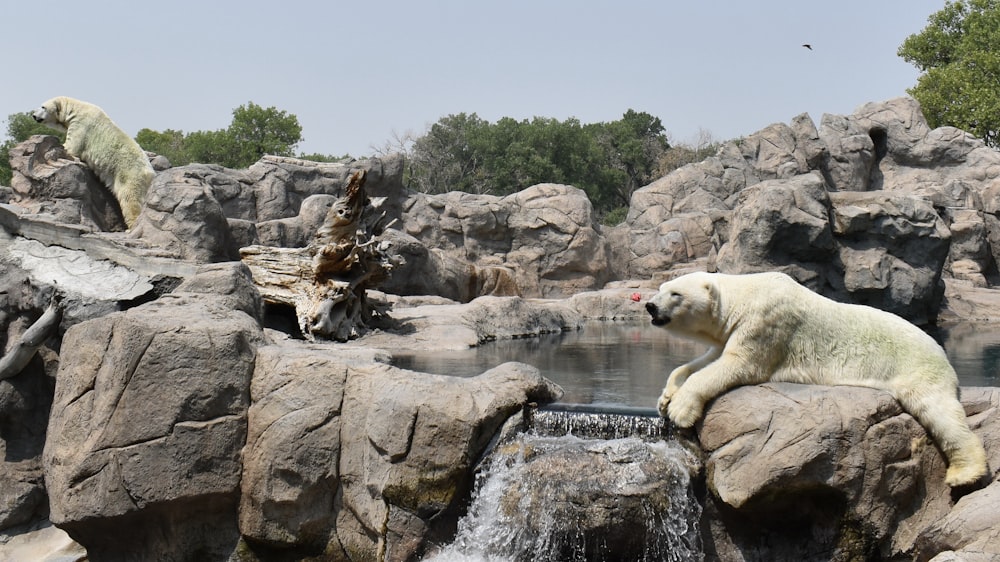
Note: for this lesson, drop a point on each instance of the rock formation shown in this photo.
(546, 235)
(48, 180)
(799, 472)
(786, 198)
(149, 419)
(170, 414)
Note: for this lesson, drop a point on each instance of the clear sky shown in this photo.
(356, 73)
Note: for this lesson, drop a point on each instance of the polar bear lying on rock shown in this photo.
(766, 327)
(93, 137)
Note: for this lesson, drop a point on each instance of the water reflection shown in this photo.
(627, 363)
(974, 351)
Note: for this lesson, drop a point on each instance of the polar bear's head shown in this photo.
(686, 305)
(51, 114)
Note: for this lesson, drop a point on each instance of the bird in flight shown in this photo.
(808, 46)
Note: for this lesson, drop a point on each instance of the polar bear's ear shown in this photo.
(711, 289)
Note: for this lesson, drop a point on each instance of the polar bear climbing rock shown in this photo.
(766, 327)
(94, 138)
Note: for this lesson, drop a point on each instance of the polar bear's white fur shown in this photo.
(766, 327)
(94, 138)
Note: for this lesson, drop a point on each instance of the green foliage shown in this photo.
(609, 161)
(210, 147)
(317, 157)
(253, 132)
(256, 131)
(959, 55)
(632, 147)
(615, 216)
(21, 126)
(169, 143)
(447, 157)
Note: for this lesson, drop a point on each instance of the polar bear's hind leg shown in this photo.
(130, 191)
(942, 415)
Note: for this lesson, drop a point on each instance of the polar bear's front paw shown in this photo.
(683, 412)
(663, 403)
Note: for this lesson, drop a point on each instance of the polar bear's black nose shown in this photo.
(659, 319)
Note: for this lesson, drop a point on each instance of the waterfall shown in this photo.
(598, 421)
(561, 491)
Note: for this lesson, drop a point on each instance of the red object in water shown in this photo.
(636, 297)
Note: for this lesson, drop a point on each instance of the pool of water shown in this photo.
(627, 363)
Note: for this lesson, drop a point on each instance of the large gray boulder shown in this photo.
(969, 532)
(407, 472)
(547, 234)
(433, 271)
(279, 185)
(148, 421)
(782, 225)
(892, 249)
(881, 249)
(181, 215)
(809, 472)
(46, 179)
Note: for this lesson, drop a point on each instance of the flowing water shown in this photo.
(539, 496)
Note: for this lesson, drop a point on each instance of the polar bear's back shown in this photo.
(830, 342)
(104, 146)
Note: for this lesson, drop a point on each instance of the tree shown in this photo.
(632, 146)
(447, 157)
(256, 131)
(253, 132)
(959, 55)
(21, 126)
(169, 143)
(211, 147)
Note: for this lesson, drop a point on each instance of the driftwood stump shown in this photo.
(24, 347)
(326, 282)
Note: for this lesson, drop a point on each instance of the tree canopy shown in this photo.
(959, 55)
(253, 132)
(463, 152)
